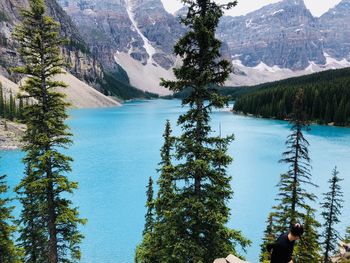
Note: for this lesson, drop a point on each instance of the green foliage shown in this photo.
(308, 249)
(122, 89)
(3, 16)
(3, 39)
(156, 245)
(45, 183)
(10, 108)
(32, 232)
(73, 44)
(269, 237)
(332, 204)
(150, 208)
(200, 186)
(347, 236)
(293, 198)
(327, 98)
(9, 253)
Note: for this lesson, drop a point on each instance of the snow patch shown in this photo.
(332, 61)
(278, 11)
(146, 44)
(248, 23)
(263, 67)
(144, 77)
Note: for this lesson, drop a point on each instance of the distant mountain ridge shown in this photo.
(132, 41)
(277, 41)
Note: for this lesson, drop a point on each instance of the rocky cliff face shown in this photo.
(277, 41)
(284, 34)
(140, 28)
(335, 29)
(81, 63)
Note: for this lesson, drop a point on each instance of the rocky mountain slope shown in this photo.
(137, 34)
(277, 41)
(133, 40)
(82, 64)
(283, 34)
(335, 30)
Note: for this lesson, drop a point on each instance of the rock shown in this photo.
(10, 134)
(284, 34)
(336, 41)
(230, 259)
(81, 63)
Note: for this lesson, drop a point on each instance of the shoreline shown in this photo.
(240, 113)
(10, 135)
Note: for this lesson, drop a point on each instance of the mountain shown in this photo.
(82, 64)
(283, 34)
(118, 43)
(284, 40)
(326, 99)
(137, 35)
(335, 29)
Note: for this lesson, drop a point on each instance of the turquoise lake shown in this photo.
(116, 149)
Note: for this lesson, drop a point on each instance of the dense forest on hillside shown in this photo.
(327, 98)
(10, 108)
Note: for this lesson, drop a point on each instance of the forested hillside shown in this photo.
(327, 98)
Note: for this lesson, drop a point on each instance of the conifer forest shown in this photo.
(188, 197)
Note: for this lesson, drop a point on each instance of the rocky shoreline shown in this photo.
(10, 135)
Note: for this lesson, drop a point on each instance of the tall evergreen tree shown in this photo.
(293, 197)
(145, 252)
(332, 204)
(149, 225)
(32, 232)
(46, 135)
(202, 186)
(9, 253)
(269, 238)
(12, 107)
(156, 246)
(308, 249)
(347, 235)
(2, 101)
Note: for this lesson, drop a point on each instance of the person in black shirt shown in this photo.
(282, 250)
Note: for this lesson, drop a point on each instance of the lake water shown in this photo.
(116, 149)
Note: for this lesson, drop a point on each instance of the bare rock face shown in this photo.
(335, 29)
(81, 63)
(284, 34)
(159, 27)
(141, 28)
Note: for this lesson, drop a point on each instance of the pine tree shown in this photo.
(12, 107)
(145, 252)
(46, 135)
(32, 233)
(308, 249)
(293, 197)
(269, 237)
(347, 236)
(156, 247)
(9, 253)
(149, 225)
(165, 201)
(202, 186)
(332, 204)
(2, 101)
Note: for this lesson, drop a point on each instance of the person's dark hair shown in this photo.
(297, 230)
